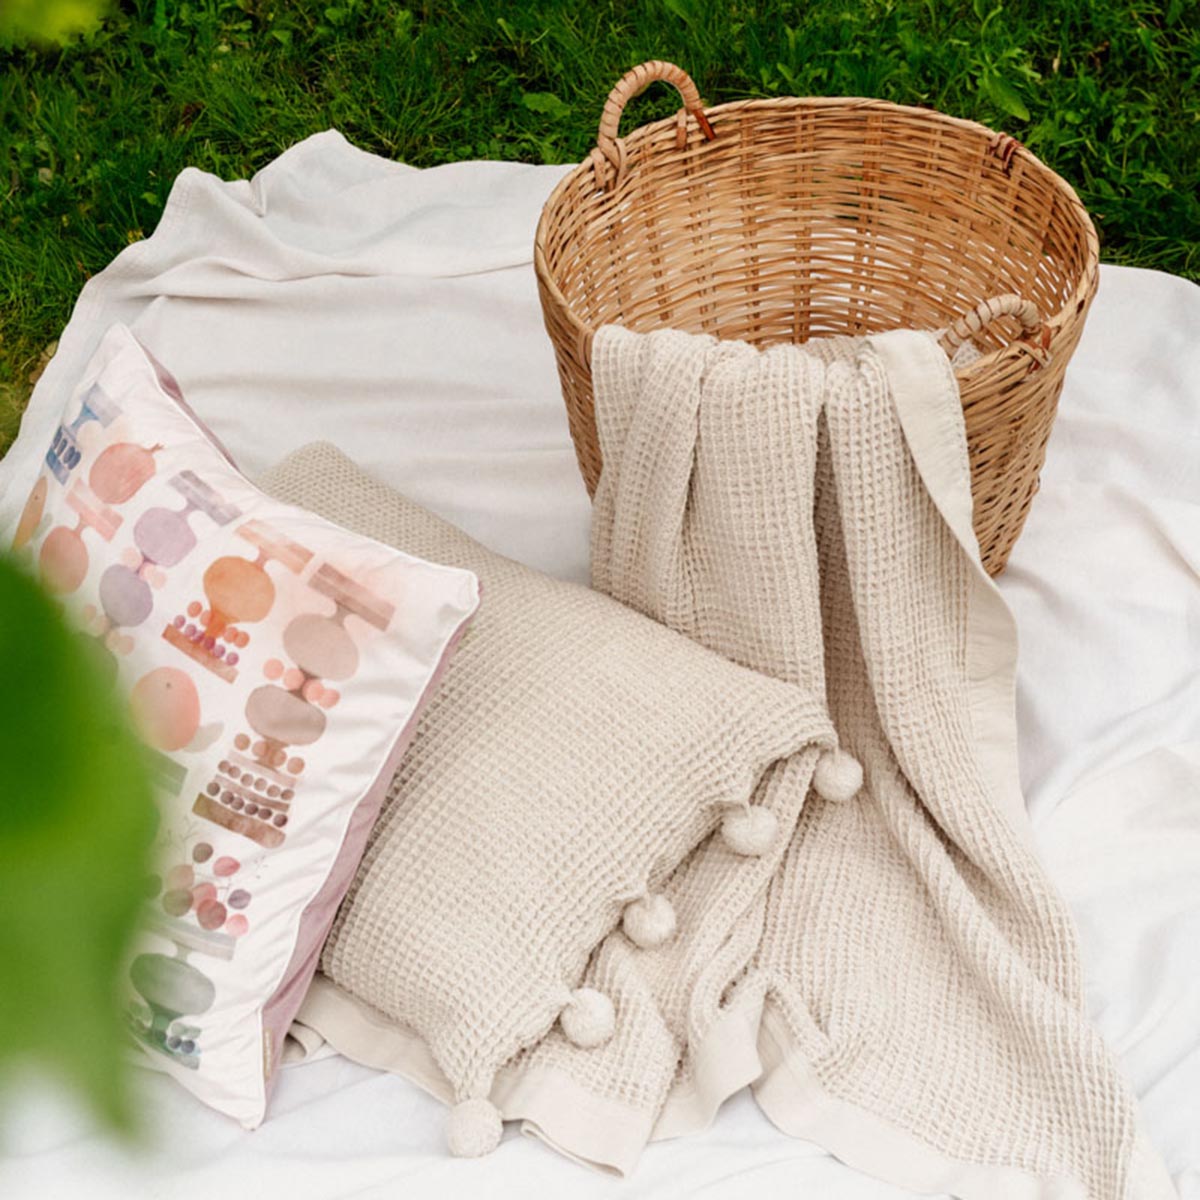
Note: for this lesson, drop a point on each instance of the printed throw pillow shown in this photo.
(274, 666)
(575, 754)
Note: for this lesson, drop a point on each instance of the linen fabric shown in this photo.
(911, 974)
(388, 309)
(274, 665)
(576, 752)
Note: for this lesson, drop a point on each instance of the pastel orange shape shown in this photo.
(166, 708)
(63, 560)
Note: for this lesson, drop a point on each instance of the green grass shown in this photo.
(1106, 91)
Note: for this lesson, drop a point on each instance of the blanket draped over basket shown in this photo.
(898, 978)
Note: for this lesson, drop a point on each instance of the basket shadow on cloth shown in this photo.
(787, 219)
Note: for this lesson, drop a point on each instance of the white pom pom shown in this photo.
(838, 777)
(649, 922)
(588, 1019)
(749, 831)
(474, 1128)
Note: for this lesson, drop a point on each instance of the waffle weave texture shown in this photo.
(694, 544)
(910, 971)
(574, 753)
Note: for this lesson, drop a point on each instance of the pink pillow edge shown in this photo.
(284, 1003)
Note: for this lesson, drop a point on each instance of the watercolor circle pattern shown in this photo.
(166, 708)
(63, 559)
(121, 471)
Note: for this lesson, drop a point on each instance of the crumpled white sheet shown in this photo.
(394, 312)
(1105, 586)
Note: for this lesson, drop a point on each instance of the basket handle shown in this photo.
(633, 83)
(1034, 334)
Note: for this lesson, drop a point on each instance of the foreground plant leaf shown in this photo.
(77, 818)
(49, 22)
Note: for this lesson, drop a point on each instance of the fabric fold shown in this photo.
(806, 512)
(644, 523)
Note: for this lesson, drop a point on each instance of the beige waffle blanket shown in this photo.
(900, 980)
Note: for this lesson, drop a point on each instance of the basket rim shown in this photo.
(1077, 302)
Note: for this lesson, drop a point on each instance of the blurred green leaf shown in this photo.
(49, 22)
(77, 818)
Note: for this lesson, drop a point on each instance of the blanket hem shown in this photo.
(792, 1097)
(589, 1129)
(936, 435)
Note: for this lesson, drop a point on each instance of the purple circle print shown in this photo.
(125, 596)
(163, 536)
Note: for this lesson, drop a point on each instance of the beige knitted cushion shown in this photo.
(573, 755)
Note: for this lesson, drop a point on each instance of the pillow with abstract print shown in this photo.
(274, 665)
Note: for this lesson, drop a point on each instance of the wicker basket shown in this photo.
(781, 220)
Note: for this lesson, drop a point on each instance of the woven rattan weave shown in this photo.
(787, 219)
